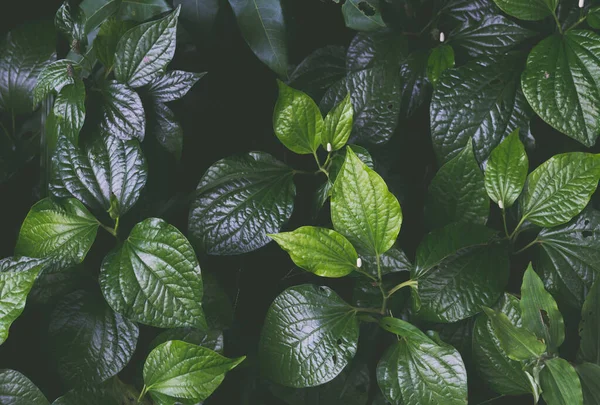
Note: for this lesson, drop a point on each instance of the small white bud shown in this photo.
(581, 3)
(500, 204)
(358, 262)
(329, 148)
(442, 37)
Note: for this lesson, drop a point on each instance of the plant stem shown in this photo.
(533, 242)
(504, 222)
(116, 229)
(364, 273)
(557, 22)
(108, 229)
(142, 394)
(379, 278)
(408, 283)
(514, 233)
(321, 168)
(491, 400)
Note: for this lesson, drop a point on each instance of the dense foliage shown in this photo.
(216, 202)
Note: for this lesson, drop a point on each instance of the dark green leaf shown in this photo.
(62, 230)
(98, 13)
(593, 17)
(368, 50)
(144, 51)
(392, 261)
(89, 341)
(263, 27)
(69, 109)
(480, 100)
(54, 77)
(107, 39)
(163, 125)
(239, 200)
(404, 330)
(16, 389)
(202, 13)
(589, 327)
(111, 392)
(470, 10)
(338, 125)
(310, 335)
(173, 85)
(528, 10)
(362, 15)
(440, 59)
(560, 83)
(319, 70)
(560, 188)
(154, 277)
(589, 376)
(457, 192)
(560, 383)
(142, 10)
(217, 306)
(123, 113)
(71, 22)
(211, 339)
(415, 87)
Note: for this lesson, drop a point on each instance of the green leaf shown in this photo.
(89, 341)
(363, 209)
(560, 383)
(211, 339)
(105, 168)
(338, 125)
(459, 268)
(560, 82)
(362, 15)
(62, 230)
(440, 59)
(183, 370)
(24, 53)
(569, 257)
(404, 330)
(491, 35)
(98, 13)
(17, 275)
(421, 372)
(321, 251)
(163, 125)
(71, 22)
(540, 312)
(589, 376)
(263, 27)
(506, 171)
(310, 335)
(240, 200)
(144, 51)
(320, 70)
(457, 192)
(560, 188)
(589, 327)
(593, 17)
(415, 87)
(532, 10)
(19, 390)
(154, 277)
(297, 121)
(504, 376)
(481, 100)
(202, 13)
(105, 44)
(217, 306)
(122, 112)
(172, 85)
(392, 261)
(54, 77)
(517, 342)
(142, 10)
(69, 109)
(111, 392)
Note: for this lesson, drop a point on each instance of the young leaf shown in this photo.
(362, 15)
(560, 383)
(506, 171)
(69, 109)
(589, 376)
(90, 342)
(19, 390)
(263, 27)
(321, 251)
(589, 327)
(123, 113)
(540, 312)
(240, 200)
(62, 230)
(504, 376)
(440, 59)
(172, 85)
(363, 209)
(456, 193)
(560, 188)
(517, 342)
(185, 371)
(297, 121)
(154, 277)
(105, 44)
(144, 51)
(310, 335)
(54, 77)
(528, 10)
(559, 82)
(338, 125)
(17, 275)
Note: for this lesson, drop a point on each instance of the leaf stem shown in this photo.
(560, 30)
(504, 222)
(533, 242)
(380, 282)
(408, 283)
(321, 168)
(581, 19)
(142, 394)
(112, 231)
(364, 273)
(514, 233)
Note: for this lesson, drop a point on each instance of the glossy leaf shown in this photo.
(415, 87)
(338, 125)
(154, 277)
(363, 209)
(404, 330)
(239, 200)
(539, 311)
(183, 370)
(589, 376)
(89, 341)
(263, 27)
(111, 392)
(172, 85)
(62, 230)
(517, 342)
(105, 44)
(319, 70)
(528, 10)
(122, 112)
(457, 193)
(440, 59)
(362, 15)
(310, 335)
(560, 83)
(69, 109)
(163, 125)
(481, 100)
(589, 327)
(560, 383)
(560, 188)
(71, 22)
(211, 339)
(506, 171)
(142, 10)
(321, 251)
(17, 275)
(16, 389)
(144, 51)
(54, 77)
(105, 168)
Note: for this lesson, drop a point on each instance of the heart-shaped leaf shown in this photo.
(123, 113)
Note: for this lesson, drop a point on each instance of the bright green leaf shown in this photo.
(560, 383)
(531, 10)
(338, 125)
